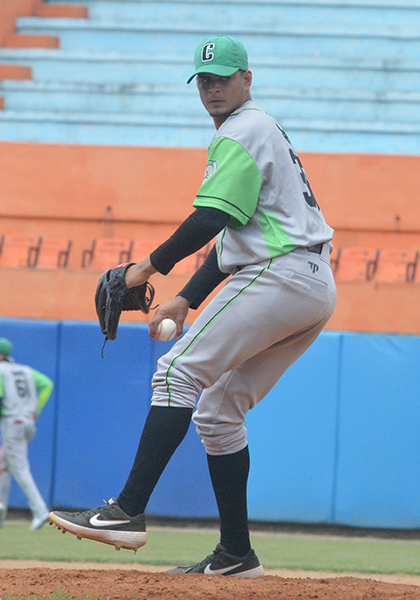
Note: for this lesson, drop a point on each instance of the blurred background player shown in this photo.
(23, 394)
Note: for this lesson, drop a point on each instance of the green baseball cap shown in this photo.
(6, 347)
(220, 55)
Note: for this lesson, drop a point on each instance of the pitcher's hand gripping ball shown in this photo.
(167, 330)
(112, 297)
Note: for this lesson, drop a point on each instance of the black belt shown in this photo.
(317, 249)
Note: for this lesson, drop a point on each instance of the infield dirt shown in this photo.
(117, 582)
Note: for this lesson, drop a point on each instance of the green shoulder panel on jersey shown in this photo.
(2, 409)
(275, 236)
(232, 183)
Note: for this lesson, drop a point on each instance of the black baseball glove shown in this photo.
(112, 297)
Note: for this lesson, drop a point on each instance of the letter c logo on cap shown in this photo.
(206, 54)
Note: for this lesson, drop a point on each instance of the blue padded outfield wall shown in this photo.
(336, 441)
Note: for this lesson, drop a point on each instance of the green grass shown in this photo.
(168, 546)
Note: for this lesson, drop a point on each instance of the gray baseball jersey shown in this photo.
(264, 188)
(24, 390)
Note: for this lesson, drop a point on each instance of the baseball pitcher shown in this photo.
(272, 252)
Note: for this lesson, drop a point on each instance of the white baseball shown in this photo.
(167, 330)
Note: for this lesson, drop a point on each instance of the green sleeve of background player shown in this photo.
(44, 387)
(1, 394)
(232, 183)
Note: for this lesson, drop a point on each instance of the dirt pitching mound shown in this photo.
(133, 584)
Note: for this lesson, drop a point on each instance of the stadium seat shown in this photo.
(190, 264)
(143, 248)
(396, 266)
(356, 264)
(187, 266)
(40, 252)
(52, 253)
(106, 253)
(334, 258)
(19, 251)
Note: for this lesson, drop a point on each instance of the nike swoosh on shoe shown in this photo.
(209, 571)
(99, 523)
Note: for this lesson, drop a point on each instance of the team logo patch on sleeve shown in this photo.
(210, 169)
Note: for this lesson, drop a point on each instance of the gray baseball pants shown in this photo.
(243, 341)
(16, 435)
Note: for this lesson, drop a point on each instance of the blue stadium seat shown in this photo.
(339, 78)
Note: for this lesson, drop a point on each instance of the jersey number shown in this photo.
(21, 384)
(308, 194)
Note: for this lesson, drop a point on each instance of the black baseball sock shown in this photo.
(229, 476)
(163, 431)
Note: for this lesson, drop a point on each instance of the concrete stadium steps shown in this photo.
(14, 71)
(192, 131)
(29, 40)
(377, 76)
(151, 36)
(339, 75)
(394, 13)
(289, 103)
(62, 10)
(100, 67)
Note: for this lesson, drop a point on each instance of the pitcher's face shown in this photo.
(221, 96)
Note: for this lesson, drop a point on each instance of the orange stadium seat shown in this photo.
(334, 258)
(414, 273)
(53, 253)
(22, 251)
(143, 248)
(18, 251)
(356, 264)
(187, 266)
(106, 253)
(190, 264)
(396, 266)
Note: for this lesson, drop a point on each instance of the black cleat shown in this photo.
(221, 562)
(108, 524)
